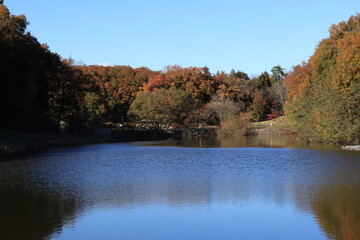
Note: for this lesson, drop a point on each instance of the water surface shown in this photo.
(244, 188)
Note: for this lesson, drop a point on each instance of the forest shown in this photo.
(324, 92)
(40, 91)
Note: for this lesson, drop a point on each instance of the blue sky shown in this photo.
(251, 36)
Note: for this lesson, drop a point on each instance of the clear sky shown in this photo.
(251, 36)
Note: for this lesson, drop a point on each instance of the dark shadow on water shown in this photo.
(48, 194)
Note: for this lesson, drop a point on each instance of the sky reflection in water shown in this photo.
(124, 191)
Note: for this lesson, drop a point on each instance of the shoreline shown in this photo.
(9, 149)
(14, 143)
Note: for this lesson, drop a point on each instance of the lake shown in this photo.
(263, 187)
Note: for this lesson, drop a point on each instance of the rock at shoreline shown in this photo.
(352, 148)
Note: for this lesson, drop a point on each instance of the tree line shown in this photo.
(324, 92)
(41, 91)
(37, 87)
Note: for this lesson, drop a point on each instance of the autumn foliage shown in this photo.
(35, 83)
(127, 93)
(324, 92)
(40, 90)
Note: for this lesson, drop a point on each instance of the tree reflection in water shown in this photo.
(337, 209)
(45, 194)
(25, 216)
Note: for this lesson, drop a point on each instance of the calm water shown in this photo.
(244, 188)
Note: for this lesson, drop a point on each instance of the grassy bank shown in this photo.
(271, 127)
